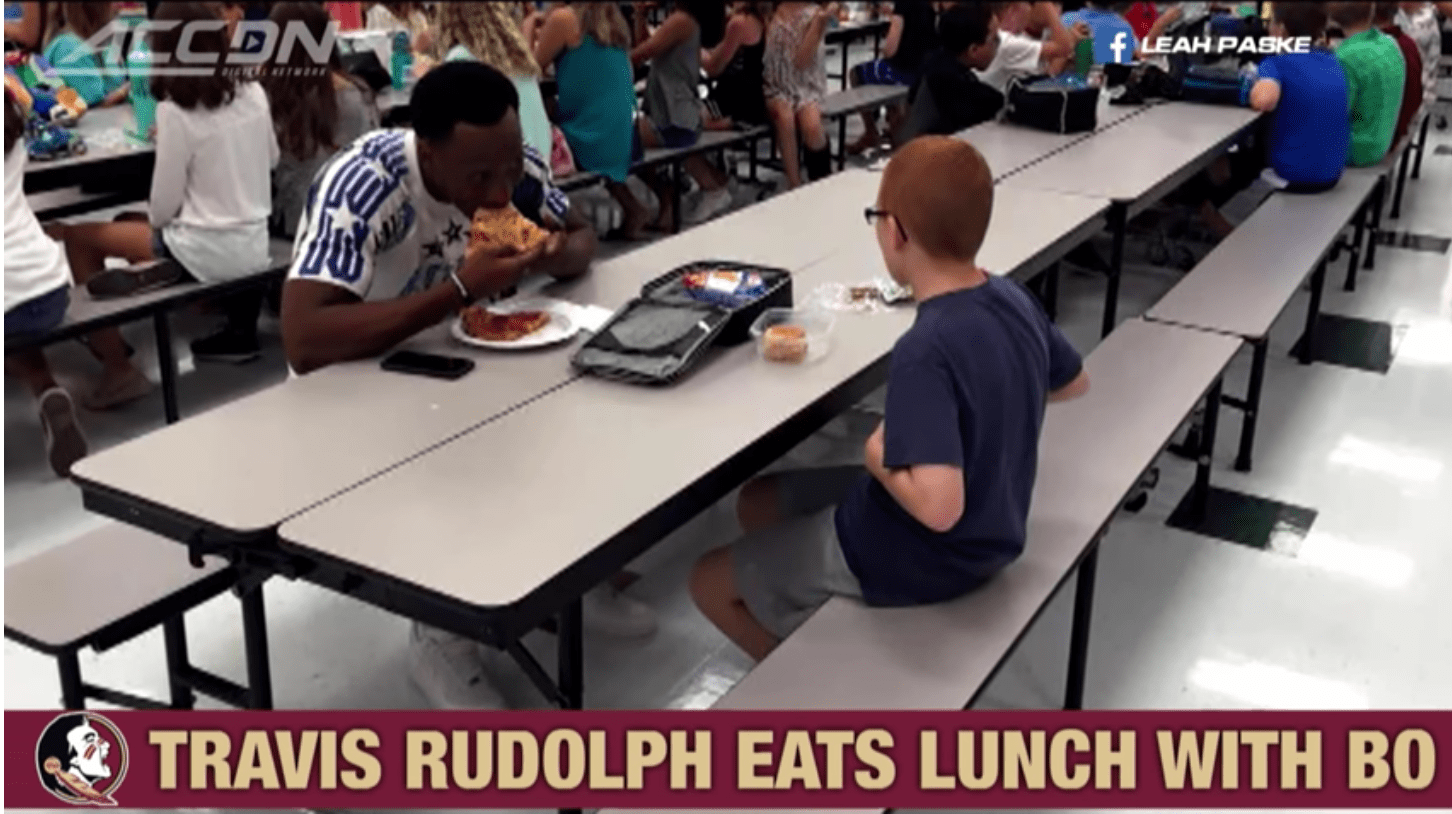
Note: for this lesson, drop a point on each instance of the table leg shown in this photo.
(1396, 207)
(676, 198)
(1118, 214)
(1252, 404)
(1378, 198)
(842, 143)
(73, 694)
(572, 655)
(1313, 313)
(846, 46)
(1354, 262)
(1206, 459)
(166, 360)
(1079, 638)
(174, 633)
(1421, 145)
(254, 634)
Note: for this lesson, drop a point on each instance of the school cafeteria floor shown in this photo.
(1353, 618)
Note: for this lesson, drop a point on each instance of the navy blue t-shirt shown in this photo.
(1311, 133)
(967, 387)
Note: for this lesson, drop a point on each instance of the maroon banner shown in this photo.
(717, 759)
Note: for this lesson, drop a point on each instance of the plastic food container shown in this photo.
(792, 336)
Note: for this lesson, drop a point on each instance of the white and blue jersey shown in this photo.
(371, 227)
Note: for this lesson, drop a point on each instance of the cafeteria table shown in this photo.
(111, 152)
(1136, 163)
(510, 524)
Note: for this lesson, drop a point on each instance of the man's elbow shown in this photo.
(942, 514)
(1074, 389)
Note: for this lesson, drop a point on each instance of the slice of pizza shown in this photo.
(505, 226)
(481, 323)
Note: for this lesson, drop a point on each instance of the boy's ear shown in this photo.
(896, 234)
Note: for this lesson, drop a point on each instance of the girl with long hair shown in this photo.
(489, 33)
(589, 46)
(737, 62)
(84, 69)
(796, 82)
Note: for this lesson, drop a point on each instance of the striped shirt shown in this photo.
(371, 227)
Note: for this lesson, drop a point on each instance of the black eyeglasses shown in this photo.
(872, 214)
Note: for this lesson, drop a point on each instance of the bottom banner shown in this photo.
(720, 759)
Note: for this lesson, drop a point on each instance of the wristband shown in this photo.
(459, 284)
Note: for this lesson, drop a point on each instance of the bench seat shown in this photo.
(1244, 284)
(108, 587)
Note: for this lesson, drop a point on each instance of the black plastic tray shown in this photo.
(738, 327)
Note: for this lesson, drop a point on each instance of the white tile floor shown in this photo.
(1355, 619)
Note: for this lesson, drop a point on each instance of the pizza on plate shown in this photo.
(505, 227)
(481, 323)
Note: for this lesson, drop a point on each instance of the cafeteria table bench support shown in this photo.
(1378, 200)
(567, 689)
(1118, 214)
(254, 635)
(1421, 144)
(1359, 235)
(166, 361)
(1313, 313)
(1250, 405)
(1205, 458)
(1079, 637)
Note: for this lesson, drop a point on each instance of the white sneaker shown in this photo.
(449, 672)
(612, 613)
(712, 204)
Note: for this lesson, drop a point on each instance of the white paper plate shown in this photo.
(560, 328)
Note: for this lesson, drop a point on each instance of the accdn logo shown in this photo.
(253, 43)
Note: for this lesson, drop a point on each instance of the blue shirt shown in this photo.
(1107, 28)
(1311, 131)
(967, 387)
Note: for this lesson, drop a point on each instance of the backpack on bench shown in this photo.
(1058, 105)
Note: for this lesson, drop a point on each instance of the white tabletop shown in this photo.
(1128, 161)
(578, 466)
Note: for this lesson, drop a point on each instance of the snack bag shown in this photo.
(729, 289)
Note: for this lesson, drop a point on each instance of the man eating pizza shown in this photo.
(384, 252)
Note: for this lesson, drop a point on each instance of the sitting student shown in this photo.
(912, 34)
(737, 63)
(673, 102)
(37, 291)
(589, 45)
(1375, 73)
(1311, 132)
(211, 192)
(1020, 55)
(404, 265)
(314, 115)
(1384, 17)
(796, 83)
(1114, 39)
(487, 32)
(944, 500)
(82, 68)
(1419, 20)
(948, 96)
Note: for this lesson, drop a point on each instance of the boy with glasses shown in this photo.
(941, 504)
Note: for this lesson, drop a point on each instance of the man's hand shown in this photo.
(490, 270)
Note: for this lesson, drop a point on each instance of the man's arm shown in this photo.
(324, 324)
(894, 36)
(931, 493)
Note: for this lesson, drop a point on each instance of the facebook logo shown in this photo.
(1120, 45)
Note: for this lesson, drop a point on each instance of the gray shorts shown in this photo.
(786, 572)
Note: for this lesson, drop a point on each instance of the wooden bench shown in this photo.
(1091, 455)
(108, 587)
(86, 314)
(1244, 284)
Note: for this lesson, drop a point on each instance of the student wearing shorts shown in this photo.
(912, 34)
(942, 502)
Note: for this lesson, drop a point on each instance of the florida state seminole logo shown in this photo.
(81, 758)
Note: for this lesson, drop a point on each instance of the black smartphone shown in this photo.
(428, 364)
